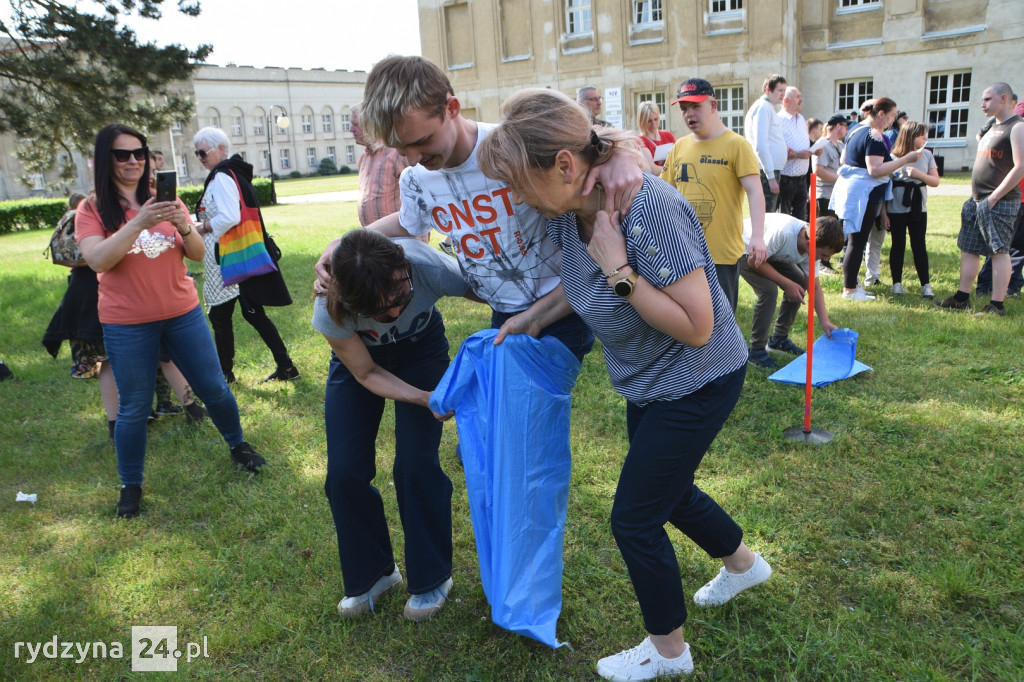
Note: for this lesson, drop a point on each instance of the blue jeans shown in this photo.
(667, 441)
(570, 330)
(133, 351)
(352, 417)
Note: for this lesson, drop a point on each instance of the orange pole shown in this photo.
(811, 272)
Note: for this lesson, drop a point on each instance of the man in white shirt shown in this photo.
(764, 132)
(793, 184)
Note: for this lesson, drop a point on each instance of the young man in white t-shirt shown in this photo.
(787, 240)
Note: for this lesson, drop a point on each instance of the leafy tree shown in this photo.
(327, 167)
(65, 73)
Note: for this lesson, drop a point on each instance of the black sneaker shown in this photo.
(128, 505)
(165, 408)
(194, 413)
(761, 358)
(283, 374)
(784, 345)
(250, 459)
(952, 304)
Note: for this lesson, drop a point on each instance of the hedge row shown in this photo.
(43, 214)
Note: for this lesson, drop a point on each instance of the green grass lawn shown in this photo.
(896, 547)
(317, 185)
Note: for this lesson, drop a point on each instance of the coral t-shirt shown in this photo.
(150, 282)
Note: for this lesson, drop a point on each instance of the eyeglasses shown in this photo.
(593, 99)
(396, 303)
(124, 155)
(201, 154)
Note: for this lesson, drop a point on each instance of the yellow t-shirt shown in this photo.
(708, 175)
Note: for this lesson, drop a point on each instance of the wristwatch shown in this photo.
(623, 288)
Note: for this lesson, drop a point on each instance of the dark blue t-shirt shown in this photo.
(862, 145)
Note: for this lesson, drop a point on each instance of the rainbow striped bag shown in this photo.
(242, 252)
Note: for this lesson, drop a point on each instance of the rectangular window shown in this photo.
(326, 124)
(236, 126)
(346, 123)
(264, 160)
(307, 123)
(350, 153)
(851, 94)
(281, 131)
(332, 155)
(177, 125)
(213, 121)
(723, 6)
(182, 166)
(311, 157)
(659, 99)
(949, 97)
(843, 4)
(730, 106)
(257, 126)
(286, 158)
(577, 17)
(646, 12)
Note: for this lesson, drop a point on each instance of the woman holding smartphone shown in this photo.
(147, 301)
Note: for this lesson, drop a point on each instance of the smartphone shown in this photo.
(166, 185)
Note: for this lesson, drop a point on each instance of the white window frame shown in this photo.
(258, 125)
(182, 165)
(264, 160)
(346, 123)
(952, 107)
(851, 6)
(213, 121)
(350, 153)
(730, 100)
(280, 131)
(177, 125)
(236, 126)
(863, 90)
(327, 123)
(311, 157)
(579, 20)
(721, 9)
(307, 123)
(284, 157)
(648, 13)
(332, 155)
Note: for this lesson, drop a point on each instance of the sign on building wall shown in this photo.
(613, 106)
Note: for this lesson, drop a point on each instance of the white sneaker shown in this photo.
(350, 607)
(643, 662)
(870, 281)
(897, 289)
(926, 291)
(858, 294)
(422, 606)
(727, 585)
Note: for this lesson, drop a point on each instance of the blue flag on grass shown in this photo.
(834, 359)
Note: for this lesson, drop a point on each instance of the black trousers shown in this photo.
(224, 333)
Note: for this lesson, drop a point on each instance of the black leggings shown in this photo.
(854, 256)
(899, 225)
(224, 334)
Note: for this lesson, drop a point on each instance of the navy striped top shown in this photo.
(664, 242)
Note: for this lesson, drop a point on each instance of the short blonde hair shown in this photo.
(538, 123)
(397, 85)
(643, 113)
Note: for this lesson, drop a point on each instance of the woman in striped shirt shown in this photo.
(646, 286)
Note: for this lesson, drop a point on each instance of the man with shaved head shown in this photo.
(987, 222)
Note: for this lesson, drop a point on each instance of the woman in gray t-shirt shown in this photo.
(908, 208)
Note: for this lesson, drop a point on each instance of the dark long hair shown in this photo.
(108, 201)
(362, 273)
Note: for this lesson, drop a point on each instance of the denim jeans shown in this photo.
(133, 350)
(352, 417)
(570, 330)
(667, 441)
(771, 201)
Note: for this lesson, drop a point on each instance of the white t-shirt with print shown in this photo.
(503, 249)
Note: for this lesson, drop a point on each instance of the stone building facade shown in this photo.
(238, 100)
(934, 57)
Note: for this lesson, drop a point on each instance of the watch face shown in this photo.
(623, 288)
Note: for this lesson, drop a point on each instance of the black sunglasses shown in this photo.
(398, 302)
(123, 155)
(201, 154)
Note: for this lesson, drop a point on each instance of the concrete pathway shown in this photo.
(322, 198)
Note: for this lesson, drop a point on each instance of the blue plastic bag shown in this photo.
(512, 405)
(834, 359)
